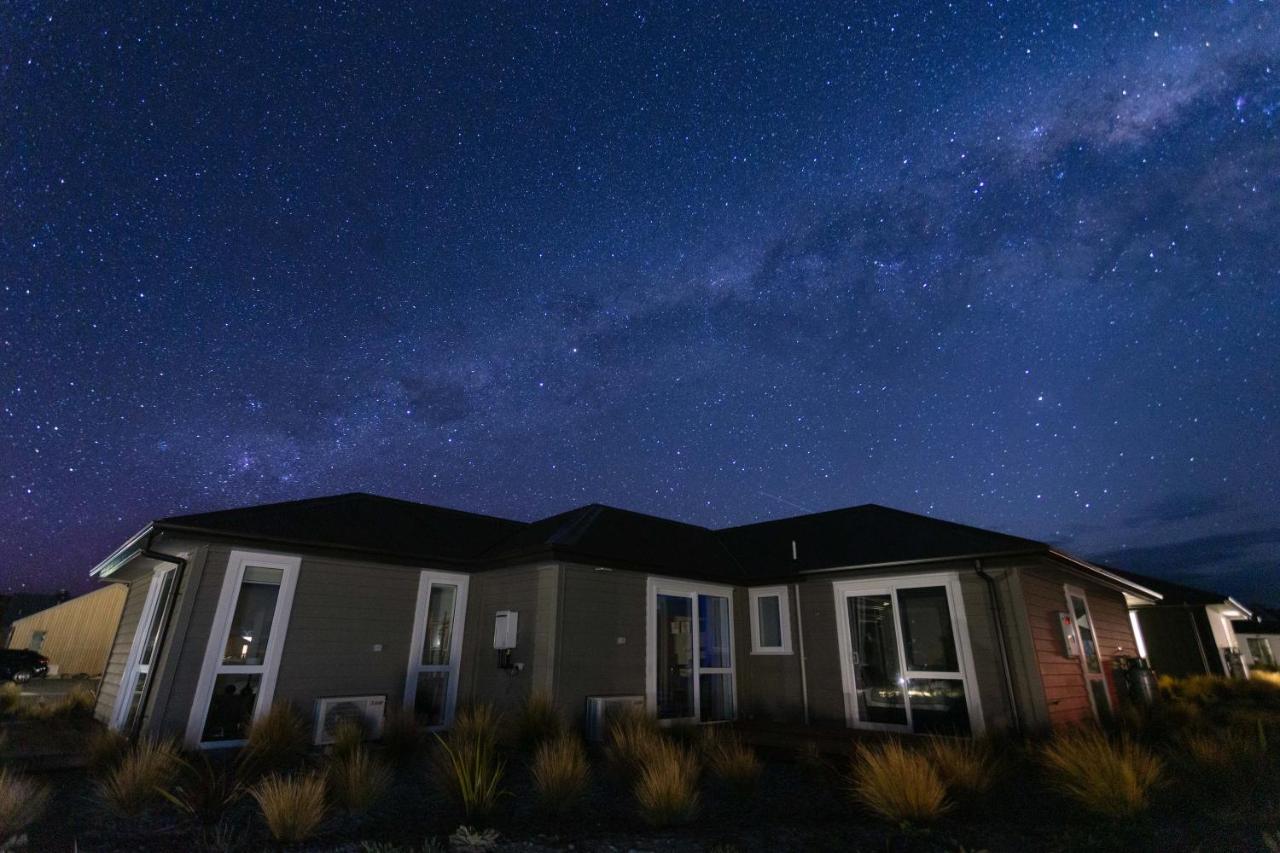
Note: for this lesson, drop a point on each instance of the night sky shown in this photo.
(1012, 264)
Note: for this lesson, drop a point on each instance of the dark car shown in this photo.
(22, 665)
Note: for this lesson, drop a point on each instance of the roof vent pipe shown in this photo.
(794, 553)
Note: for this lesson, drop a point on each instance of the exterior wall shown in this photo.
(79, 634)
(118, 656)
(770, 686)
(1179, 640)
(1271, 641)
(1044, 595)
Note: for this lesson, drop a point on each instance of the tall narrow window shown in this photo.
(133, 686)
(243, 656)
(431, 688)
(770, 621)
(690, 658)
(1090, 655)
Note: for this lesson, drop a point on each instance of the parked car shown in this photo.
(22, 665)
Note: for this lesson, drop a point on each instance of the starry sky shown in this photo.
(1012, 264)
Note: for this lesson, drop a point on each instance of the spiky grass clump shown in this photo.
(538, 721)
(632, 738)
(10, 698)
(348, 736)
(477, 724)
(357, 780)
(292, 807)
(732, 761)
(967, 765)
(898, 784)
(79, 703)
(470, 771)
(560, 773)
(666, 788)
(277, 742)
(104, 749)
(137, 780)
(204, 790)
(1267, 676)
(1113, 779)
(22, 801)
(401, 737)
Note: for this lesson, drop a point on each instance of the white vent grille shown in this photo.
(599, 708)
(331, 711)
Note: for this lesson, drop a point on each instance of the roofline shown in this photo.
(922, 561)
(132, 547)
(1246, 611)
(1112, 576)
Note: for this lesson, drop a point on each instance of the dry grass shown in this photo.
(104, 749)
(538, 721)
(357, 780)
(10, 698)
(137, 780)
(731, 761)
(348, 737)
(477, 724)
(631, 740)
(898, 784)
(1113, 779)
(666, 788)
(1265, 676)
(471, 772)
(22, 801)
(277, 742)
(560, 773)
(966, 765)
(401, 737)
(204, 791)
(292, 807)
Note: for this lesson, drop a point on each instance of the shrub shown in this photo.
(560, 773)
(104, 749)
(1267, 676)
(966, 765)
(348, 737)
(136, 782)
(401, 737)
(1110, 779)
(898, 784)
(732, 761)
(478, 724)
(10, 698)
(667, 786)
(79, 703)
(204, 791)
(357, 780)
(539, 720)
(631, 739)
(277, 742)
(468, 840)
(471, 773)
(22, 801)
(292, 807)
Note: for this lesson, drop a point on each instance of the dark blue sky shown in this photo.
(1013, 264)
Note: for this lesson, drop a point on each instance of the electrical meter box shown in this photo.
(505, 624)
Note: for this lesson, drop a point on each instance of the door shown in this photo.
(877, 671)
(690, 659)
(675, 658)
(435, 649)
(1090, 656)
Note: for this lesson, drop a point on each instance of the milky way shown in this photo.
(1010, 264)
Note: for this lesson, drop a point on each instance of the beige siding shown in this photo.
(601, 651)
(769, 686)
(531, 591)
(109, 689)
(79, 633)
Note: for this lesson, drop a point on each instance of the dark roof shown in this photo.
(358, 522)
(1174, 593)
(1256, 626)
(862, 536)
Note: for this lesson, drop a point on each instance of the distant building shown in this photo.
(75, 635)
(20, 604)
(1260, 638)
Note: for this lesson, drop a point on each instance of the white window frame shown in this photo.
(784, 619)
(426, 580)
(1069, 591)
(950, 581)
(133, 667)
(269, 669)
(656, 586)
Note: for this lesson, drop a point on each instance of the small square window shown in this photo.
(770, 621)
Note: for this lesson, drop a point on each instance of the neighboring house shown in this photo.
(14, 607)
(1259, 638)
(1190, 630)
(76, 635)
(866, 617)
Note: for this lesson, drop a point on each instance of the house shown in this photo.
(1259, 638)
(867, 617)
(1189, 631)
(14, 607)
(76, 635)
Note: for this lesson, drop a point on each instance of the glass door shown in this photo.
(431, 689)
(237, 684)
(134, 684)
(877, 672)
(675, 657)
(691, 653)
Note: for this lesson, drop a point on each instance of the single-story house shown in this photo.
(867, 617)
(1259, 638)
(76, 635)
(1189, 631)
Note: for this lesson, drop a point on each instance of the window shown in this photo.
(770, 621)
(242, 659)
(1260, 651)
(1090, 654)
(690, 653)
(137, 670)
(905, 660)
(37, 641)
(435, 649)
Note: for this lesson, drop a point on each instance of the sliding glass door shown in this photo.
(901, 658)
(691, 652)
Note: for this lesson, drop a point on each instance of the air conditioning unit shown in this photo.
(332, 710)
(600, 707)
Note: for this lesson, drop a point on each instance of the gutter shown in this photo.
(1001, 643)
(166, 617)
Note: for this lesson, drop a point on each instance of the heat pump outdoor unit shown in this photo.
(331, 711)
(600, 707)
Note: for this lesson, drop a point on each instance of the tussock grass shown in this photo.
(357, 780)
(137, 780)
(292, 807)
(277, 742)
(560, 773)
(666, 788)
(1112, 779)
(731, 761)
(10, 698)
(630, 741)
(348, 736)
(104, 749)
(479, 724)
(22, 802)
(203, 791)
(538, 721)
(898, 784)
(967, 765)
(401, 737)
(470, 771)
(1266, 676)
